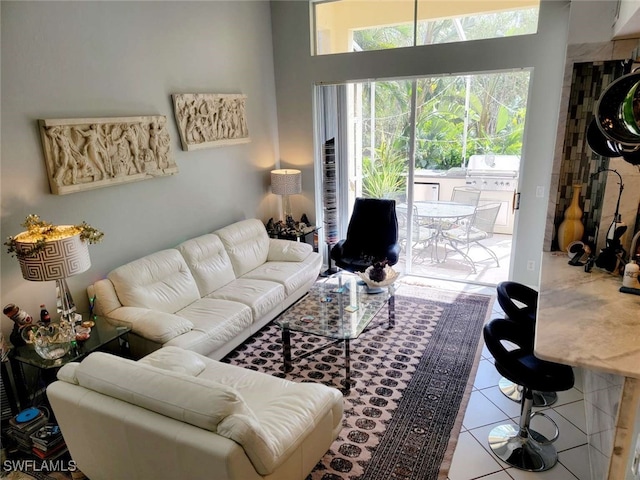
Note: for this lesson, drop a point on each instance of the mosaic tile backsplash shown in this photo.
(579, 162)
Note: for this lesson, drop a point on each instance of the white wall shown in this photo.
(591, 21)
(297, 72)
(107, 59)
(627, 24)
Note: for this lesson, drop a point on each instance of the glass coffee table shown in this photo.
(339, 309)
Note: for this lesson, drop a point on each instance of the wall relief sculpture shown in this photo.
(210, 120)
(87, 153)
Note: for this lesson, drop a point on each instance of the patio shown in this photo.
(456, 269)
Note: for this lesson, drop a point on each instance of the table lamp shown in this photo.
(47, 252)
(286, 182)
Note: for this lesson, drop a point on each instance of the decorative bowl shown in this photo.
(391, 277)
(53, 341)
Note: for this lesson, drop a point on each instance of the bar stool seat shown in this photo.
(519, 445)
(520, 304)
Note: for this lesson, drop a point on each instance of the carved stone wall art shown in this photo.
(87, 153)
(208, 120)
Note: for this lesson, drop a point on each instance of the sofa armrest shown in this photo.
(287, 250)
(104, 295)
(159, 327)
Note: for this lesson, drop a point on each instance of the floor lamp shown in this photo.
(286, 182)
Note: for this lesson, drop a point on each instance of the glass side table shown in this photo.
(102, 334)
(307, 235)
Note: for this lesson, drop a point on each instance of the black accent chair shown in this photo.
(520, 304)
(519, 445)
(372, 236)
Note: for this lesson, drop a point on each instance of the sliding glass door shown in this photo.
(411, 140)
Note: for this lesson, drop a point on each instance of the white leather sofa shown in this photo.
(176, 414)
(208, 294)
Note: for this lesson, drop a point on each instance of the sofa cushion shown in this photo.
(246, 243)
(208, 261)
(287, 251)
(287, 411)
(160, 281)
(293, 275)
(176, 360)
(216, 322)
(159, 327)
(262, 296)
(197, 401)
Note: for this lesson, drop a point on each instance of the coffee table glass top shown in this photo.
(337, 307)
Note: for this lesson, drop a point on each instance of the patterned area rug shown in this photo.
(410, 383)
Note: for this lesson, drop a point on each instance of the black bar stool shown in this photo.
(523, 311)
(519, 445)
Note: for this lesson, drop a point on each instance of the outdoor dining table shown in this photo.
(434, 209)
(439, 214)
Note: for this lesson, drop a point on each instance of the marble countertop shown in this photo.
(584, 321)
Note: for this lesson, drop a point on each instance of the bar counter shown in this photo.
(585, 321)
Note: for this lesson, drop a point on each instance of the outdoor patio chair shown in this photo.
(467, 195)
(460, 194)
(472, 232)
(422, 236)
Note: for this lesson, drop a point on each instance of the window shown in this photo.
(362, 25)
(455, 117)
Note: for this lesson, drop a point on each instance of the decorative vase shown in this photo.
(571, 229)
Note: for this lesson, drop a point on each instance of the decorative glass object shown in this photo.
(53, 341)
(390, 276)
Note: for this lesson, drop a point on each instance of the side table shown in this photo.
(102, 334)
(307, 236)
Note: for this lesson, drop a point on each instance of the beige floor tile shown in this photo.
(577, 461)
(487, 375)
(575, 413)
(481, 411)
(470, 460)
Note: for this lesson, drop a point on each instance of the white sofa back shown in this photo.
(209, 262)
(178, 395)
(160, 281)
(209, 293)
(177, 414)
(247, 244)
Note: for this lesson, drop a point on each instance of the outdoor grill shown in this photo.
(493, 172)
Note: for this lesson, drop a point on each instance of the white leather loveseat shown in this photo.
(208, 294)
(176, 414)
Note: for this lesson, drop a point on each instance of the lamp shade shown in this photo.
(286, 182)
(59, 258)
